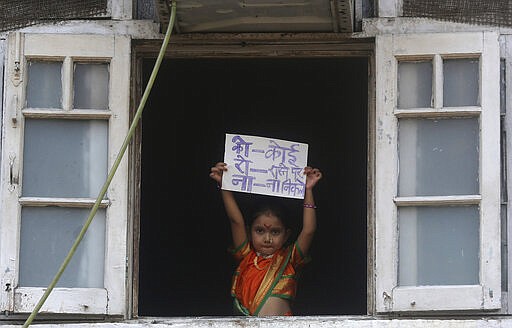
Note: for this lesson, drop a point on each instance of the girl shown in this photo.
(265, 280)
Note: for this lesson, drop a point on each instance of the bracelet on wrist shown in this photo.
(313, 206)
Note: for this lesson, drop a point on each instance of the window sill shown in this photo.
(462, 321)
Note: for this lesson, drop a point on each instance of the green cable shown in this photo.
(113, 170)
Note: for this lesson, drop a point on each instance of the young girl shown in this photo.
(265, 280)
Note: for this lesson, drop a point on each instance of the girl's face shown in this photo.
(268, 234)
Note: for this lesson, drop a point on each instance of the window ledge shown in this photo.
(296, 321)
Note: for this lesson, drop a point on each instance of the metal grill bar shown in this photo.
(479, 12)
(20, 13)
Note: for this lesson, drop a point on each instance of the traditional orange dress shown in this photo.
(255, 281)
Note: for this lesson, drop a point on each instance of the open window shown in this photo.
(185, 268)
(66, 116)
(437, 172)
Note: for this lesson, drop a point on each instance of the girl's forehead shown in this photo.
(268, 220)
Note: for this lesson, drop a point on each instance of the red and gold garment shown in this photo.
(255, 281)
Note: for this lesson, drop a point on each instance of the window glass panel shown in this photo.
(414, 84)
(91, 86)
(438, 245)
(47, 234)
(44, 86)
(504, 248)
(461, 82)
(438, 157)
(64, 158)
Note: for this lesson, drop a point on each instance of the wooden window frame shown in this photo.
(389, 49)
(247, 45)
(111, 299)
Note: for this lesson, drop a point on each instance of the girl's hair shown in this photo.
(270, 206)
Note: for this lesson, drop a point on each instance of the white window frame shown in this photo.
(2, 60)
(110, 300)
(506, 54)
(389, 48)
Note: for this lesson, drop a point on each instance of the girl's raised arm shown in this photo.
(309, 213)
(233, 212)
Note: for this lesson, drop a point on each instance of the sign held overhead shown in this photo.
(265, 166)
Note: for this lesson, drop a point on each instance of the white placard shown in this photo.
(265, 166)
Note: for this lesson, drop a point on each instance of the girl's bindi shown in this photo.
(268, 226)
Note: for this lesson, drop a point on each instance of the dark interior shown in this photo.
(185, 269)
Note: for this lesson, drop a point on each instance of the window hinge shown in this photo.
(7, 302)
(16, 70)
(14, 110)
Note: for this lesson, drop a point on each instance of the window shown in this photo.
(184, 266)
(437, 172)
(67, 114)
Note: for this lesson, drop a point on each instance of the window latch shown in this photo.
(13, 175)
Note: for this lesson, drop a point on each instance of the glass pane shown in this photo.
(504, 248)
(64, 158)
(91, 86)
(461, 82)
(438, 157)
(44, 86)
(414, 84)
(47, 234)
(438, 246)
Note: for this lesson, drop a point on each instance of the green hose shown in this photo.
(113, 170)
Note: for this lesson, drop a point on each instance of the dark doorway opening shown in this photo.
(184, 266)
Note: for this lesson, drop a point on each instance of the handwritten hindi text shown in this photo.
(265, 166)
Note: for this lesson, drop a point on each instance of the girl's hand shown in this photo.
(312, 176)
(217, 171)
